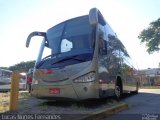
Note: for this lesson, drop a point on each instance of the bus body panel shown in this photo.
(60, 75)
(67, 85)
(116, 62)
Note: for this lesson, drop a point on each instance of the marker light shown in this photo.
(44, 72)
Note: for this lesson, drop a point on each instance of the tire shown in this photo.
(118, 92)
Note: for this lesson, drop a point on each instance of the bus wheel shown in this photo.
(117, 92)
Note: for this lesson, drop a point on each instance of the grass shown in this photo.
(5, 99)
(4, 102)
(150, 87)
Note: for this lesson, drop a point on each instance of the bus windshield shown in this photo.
(70, 40)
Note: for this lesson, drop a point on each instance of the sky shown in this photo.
(127, 18)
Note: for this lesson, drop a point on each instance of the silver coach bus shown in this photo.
(87, 60)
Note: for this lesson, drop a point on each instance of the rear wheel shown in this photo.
(118, 90)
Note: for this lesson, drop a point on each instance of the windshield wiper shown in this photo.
(68, 58)
(45, 58)
(51, 55)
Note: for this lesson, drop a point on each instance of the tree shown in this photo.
(151, 36)
(23, 66)
(6, 68)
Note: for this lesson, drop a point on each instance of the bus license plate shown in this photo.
(54, 91)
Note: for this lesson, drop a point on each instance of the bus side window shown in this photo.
(102, 45)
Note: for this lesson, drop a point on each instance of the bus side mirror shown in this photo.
(96, 17)
(32, 35)
(93, 17)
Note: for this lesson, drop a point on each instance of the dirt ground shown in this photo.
(65, 109)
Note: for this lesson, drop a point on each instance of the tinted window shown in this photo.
(77, 32)
(67, 39)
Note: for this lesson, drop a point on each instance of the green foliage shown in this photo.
(23, 66)
(6, 68)
(151, 36)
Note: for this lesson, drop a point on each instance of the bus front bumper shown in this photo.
(53, 92)
(79, 91)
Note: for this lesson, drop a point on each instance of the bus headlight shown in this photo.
(89, 77)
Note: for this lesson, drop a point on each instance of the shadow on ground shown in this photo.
(91, 103)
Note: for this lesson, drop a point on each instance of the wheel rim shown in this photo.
(117, 91)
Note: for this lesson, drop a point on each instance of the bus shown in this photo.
(85, 60)
(5, 80)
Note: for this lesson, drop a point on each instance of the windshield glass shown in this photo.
(70, 38)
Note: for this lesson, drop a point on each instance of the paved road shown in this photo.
(143, 106)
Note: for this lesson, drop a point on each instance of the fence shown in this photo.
(149, 80)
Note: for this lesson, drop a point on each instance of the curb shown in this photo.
(98, 115)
